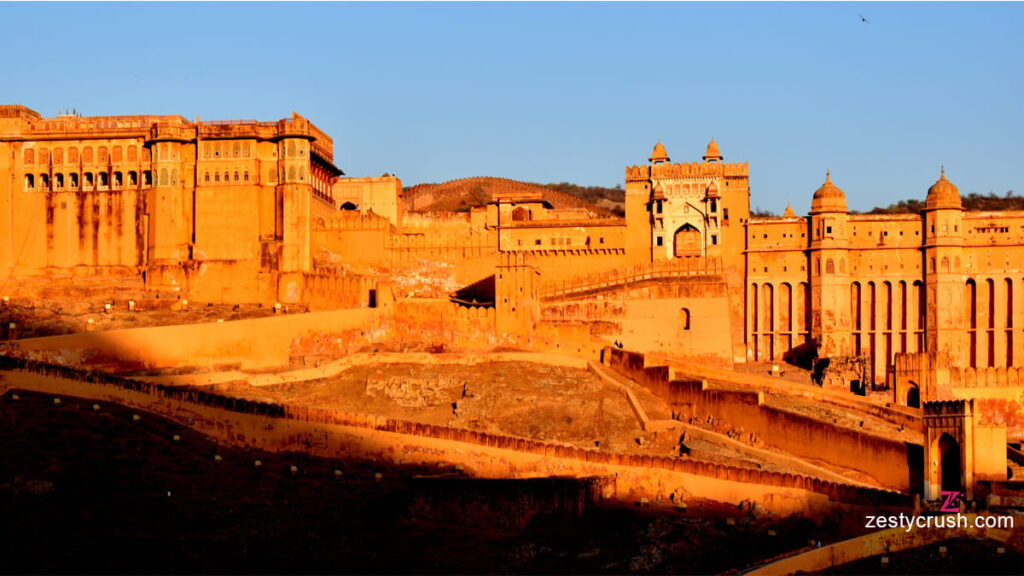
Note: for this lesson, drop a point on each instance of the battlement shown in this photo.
(687, 170)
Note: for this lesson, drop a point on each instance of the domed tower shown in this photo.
(830, 280)
(943, 272)
(659, 155)
(712, 154)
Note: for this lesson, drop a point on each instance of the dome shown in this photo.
(712, 190)
(943, 194)
(828, 198)
(659, 154)
(712, 152)
(789, 213)
(658, 193)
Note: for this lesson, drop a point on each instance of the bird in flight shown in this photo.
(863, 19)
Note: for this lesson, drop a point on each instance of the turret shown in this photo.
(830, 284)
(944, 274)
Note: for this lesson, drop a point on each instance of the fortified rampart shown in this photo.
(274, 427)
(892, 463)
(997, 392)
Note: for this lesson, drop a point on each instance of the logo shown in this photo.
(951, 502)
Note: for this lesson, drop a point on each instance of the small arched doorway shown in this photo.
(949, 464)
(687, 241)
(913, 396)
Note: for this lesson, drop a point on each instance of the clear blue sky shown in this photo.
(566, 92)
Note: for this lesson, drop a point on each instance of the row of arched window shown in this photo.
(215, 177)
(89, 181)
(87, 155)
(226, 150)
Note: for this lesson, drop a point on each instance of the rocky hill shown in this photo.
(465, 193)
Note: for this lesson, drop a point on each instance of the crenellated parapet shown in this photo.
(687, 170)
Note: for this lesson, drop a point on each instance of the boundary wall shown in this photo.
(900, 415)
(887, 461)
(876, 543)
(327, 433)
(257, 343)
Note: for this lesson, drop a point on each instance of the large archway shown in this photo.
(950, 471)
(687, 242)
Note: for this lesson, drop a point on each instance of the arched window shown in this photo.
(227, 177)
(30, 182)
(236, 175)
(245, 150)
(163, 177)
(206, 149)
(73, 185)
(90, 180)
(147, 154)
(684, 318)
(830, 267)
(216, 176)
(118, 154)
(520, 214)
(246, 176)
(58, 155)
(133, 154)
(133, 179)
(58, 181)
(87, 154)
(291, 173)
(147, 176)
(237, 150)
(206, 177)
(104, 182)
(945, 264)
(44, 156)
(291, 148)
(29, 156)
(118, 180)
(174, 177)
(104, 156)
(44, 182)
(73, 155)
(216, 150)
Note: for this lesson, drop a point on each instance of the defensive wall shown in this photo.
(893, 464)
(909, 418)
(679, 307)
(192, 345)
(997, 392)
(326, 433)
(877, 543)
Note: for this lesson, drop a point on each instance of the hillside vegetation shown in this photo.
(972, 202)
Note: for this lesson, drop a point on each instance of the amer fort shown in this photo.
(527, 353)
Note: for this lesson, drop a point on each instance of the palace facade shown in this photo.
(250, 211)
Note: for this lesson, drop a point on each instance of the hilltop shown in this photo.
(462, 194)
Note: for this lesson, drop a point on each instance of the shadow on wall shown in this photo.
(480, 292)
